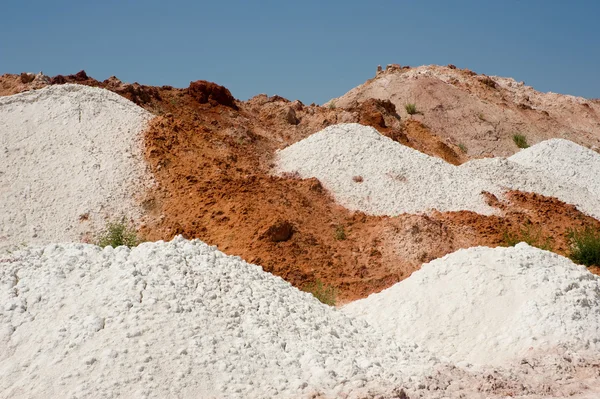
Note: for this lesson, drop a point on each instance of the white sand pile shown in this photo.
(68, 151)
(490, 306)
(178, 319)
(397, 179)
(564, 160)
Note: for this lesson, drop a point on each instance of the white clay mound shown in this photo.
(395, 178)
(72, 155)
(564, 160)
(179, 319)
(490, 306)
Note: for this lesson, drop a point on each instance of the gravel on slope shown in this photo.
(490, 306)
(179, 319)
(71, 157)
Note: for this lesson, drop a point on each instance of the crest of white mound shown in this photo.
(178, 319)
(564, 160)
(490, 306)
(71, 156)
(395, 179)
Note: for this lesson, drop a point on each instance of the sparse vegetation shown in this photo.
(411, 108)
(324, 293)
(530, 235)
(585, 246)
(463, 148)
(340, 232)
(332, 104)
(520, 140)
(116, 234)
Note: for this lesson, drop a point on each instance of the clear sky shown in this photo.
(305, 49)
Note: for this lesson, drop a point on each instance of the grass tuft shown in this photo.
(520, 140)
(324, 293)
(530, 235)
(585, 246)
(463, 148)
(116, 234)
(340, 233)
(411, 108)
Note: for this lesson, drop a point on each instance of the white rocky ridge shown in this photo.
(491, 306)
(397, 179)
(69, 151)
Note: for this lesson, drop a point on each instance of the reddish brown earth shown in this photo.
(212, 156)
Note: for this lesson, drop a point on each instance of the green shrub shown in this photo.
(463, 148)
(411, 108)
(585, 246)
(340, 232)
(332, 104)
(530, 235)
(520, 140)
(116, 234)
(324, 293)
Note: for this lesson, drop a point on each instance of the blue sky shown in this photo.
(307, 50)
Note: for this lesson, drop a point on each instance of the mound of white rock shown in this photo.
(396, 179)
(564, 160)
(179, 319)
(72, 155)
(491, 306)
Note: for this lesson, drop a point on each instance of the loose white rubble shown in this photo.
(564, 160)
(178, 319)
(181, 319)
(397, 179)
(489, 306)
(69, 151)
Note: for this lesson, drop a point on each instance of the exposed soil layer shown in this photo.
(480, 112)
(212, 156)
(213, 166)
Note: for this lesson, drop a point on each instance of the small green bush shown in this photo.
(585, 246)
(520, 140)
(463, 148)
(332, 104)
(324, 293)
(116, 234)
(340, 232)
(530, 235)
(411, 108)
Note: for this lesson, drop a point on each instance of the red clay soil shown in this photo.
(212, 156)
(212, 163)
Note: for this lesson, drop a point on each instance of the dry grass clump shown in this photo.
(324, 293)
(585, 246)
(529, 234)
(411, 108)
(116, 234)
(520, 140)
